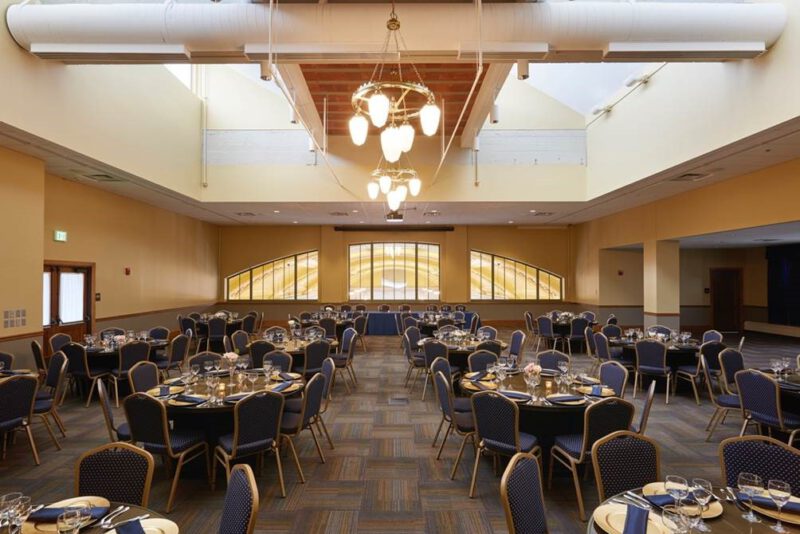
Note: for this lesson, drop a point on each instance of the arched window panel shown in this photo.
(291, 278)
(394, 271)
(497, 278)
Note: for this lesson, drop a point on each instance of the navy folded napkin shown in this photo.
(286, 376)
(479, 376)
(636, 520)
(766, 502)
(597, 390)
(515, 395)
(177, 382)
(163, 391)
(235, 398)
(131, 527)
(566, 398)
(190, 399)
(50, 514)
(280, 387)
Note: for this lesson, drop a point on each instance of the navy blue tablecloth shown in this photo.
(385, 323)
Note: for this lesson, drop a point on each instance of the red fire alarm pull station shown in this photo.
(127, 271)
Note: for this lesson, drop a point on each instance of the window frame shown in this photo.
(371, 273)
(252, 268)
(538, 269)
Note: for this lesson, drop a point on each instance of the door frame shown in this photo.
(740, 294)
(90, 305)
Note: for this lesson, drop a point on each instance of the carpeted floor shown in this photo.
(382, 476)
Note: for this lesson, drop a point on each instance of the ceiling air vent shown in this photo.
(339, 214)
(766, 240)
(690, 177)
(543, 214)
(245, 214)
(432, 213)
(105, 178)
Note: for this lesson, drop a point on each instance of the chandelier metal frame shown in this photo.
(361, 96)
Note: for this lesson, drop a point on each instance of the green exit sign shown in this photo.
(60, 235)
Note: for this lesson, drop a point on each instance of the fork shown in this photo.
(109, 518)
(117, 525)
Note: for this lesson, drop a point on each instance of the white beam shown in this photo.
(493, 81)
(294, 81)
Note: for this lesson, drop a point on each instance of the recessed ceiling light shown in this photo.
(276, 211)
(510, 222)
(355, 211)
(533, 211)
(294, 222)
(360, 222)
(427, 222)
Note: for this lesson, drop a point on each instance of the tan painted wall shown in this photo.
(173, 258)
(626, 289)
(695, 266)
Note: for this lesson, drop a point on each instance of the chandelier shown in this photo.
(392, 102)
(395, 182)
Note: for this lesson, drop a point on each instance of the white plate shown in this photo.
(30, 527)
(155, 525)
(657, 488)
(611, 518)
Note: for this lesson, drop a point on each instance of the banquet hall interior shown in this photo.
(360, 266)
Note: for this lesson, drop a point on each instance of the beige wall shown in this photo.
(621, 278)
(696, 264)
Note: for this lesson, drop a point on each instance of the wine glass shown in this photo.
(750, 484)
(779, 492)
(21, 511)
(207, 366)
(672, 519)
(267, 366)
(563, 367)
(692, 516)
(212, 383)
(775, 366)
(195, 370)
(702, 492)
(251, 377)
(239, 380)
(69, 522)
(217, 364)
(500, 374)
(677, 488)
(7, 504)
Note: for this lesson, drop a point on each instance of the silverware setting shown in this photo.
(109, 518)
(117, 525)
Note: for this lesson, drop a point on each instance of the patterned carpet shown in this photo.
(382, 476)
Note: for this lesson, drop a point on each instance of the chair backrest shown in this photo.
(624, 461)
(315, 353)
(256, 421)
(240, 339)
(731, 362)
(227, 346)
(612, 319)
(615, 376)
(611, 330)
(602, 418)
(328, 368)
(158, 332)
(38, 357)
(7, 359)
(413, 335)
(517, 342)
(444, 395)
(257, 351)
(492, 345)
(305, 316)
(249, 323)
(432, 308)
(409, 322)
(446, 328)
(445, 321)
(111, 330)
(281, 359)
(601, 348)
(651, 353)
(761, 455)
(446, 308)
(489, 332)
(660, 329)
(589, 316)
(588, 334)
(361, 307)
(711, 350)
(480, 360)
(57, 341)
(384, 308)
(496, 422)
(316, 330)
(312, 397)
(434, 350)
(759, 394)
(143, 376)
(460, 307)
(549, 359)
(179, 349)
(108, 413)
(241, 502)
(360, 324)
(405, 307)
(202, 357)
(147, 419)
(442, 365)
(329, 324)
(529, 320)
(131, 353)
(711, 335)
(18, 394)
(459, 315)
(641, 425)
(216, 327)
(577, 326)
(119, 472)
(474, 322)
(57, 367)
(76, 356)
(522, 495)
(348, 341)
(545, 325)
(270, 332)
(187, 323)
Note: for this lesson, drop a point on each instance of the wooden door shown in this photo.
(726, 299)
(67, 300)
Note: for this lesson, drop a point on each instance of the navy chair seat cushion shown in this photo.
(648, 370)
(688, 369)
(294, 405)
(226, 442)
(790, 420)
(43, 395)
(180, 441)
(11, 423)
(464, 421)
(164, 364)
(462, 405)
(312, 372)
(728, 401)
(616, 353)
(571, 444)
(42, 406)
(419, 361)
(289, 422)
(526, 444)
(119, 373)
(340, 363)
(124, 432)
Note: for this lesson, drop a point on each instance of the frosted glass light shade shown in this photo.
(393, 199)
(385, 184)
(378, 105)
(373, 188)
(414, 186)
(406, 136)
(358, 129)
(429, 117)
(391, 143)
(402, 190)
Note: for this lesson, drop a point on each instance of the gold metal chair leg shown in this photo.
(296, 459)
(438, 431)
(33, 444)
(577, 481)
(474, 474)
(321, 423)
(50, 430)
(460, 454)
(316, 443)
(59, 422)
(280, 471)
(175, 478)
(444, 440)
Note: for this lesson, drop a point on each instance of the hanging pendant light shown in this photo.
(373, 188)
(414, 186)
(393, 199)
(402, 190)
(385, 184)
(406, 136)
(378, 105)
(358, 129)
(429, 117)
(391, 143)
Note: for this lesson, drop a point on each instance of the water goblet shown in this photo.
(677, 488)
(692, 516)
(779, 492)
(21, 511)
(68, 522)
(750, 484)
(7, 504)
(702, 492)
(500, 373)
(672, 519)
(251, 377)
(207, 366)
(563, 367)
(239, 380)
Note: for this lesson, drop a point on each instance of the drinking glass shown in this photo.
(672, 519)
(217, 364)
(251, 377)
(779, 492)
(750, 485)
(212, 383)
(692, 515)
(702, 492)
(240, 380)
(7, 504)
(195, 370)
(775, 366)
(677, 488)
(21, 512)
(207, 366)
(501, 376)
(563, 367)
(68, 522)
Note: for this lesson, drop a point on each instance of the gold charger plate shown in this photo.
(174, 402)
(472, 386)
(277, 376)
(156, 525)
(553, 397)
(155, 392)
(657, 488)
(587, 390)
(786, 517)
(294, 387)
(30, 527)
(589, 379)
(611, 518)
(489, 376)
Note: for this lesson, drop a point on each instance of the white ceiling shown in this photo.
(774, 234)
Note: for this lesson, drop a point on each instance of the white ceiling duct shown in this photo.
(555, 31)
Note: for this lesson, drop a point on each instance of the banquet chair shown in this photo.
(143, 376)
(446, 308)
(651, 360)
(121, 432)
(612, 319)
(473, 323)
(444, 321)
(433, 350)
(158, 332)
(624, 461)
(293, 423)
(416, 361)
(79, 368)
(38, 358)
(361, 307)
(546, 333)
(360, 325)
(241, 502)
(491, 345)
(711, 335)
(344, 359)
(690, 373)
(460, 307)
(129, 354)
(723, 403)
(577, 326)
(497, 431)
(460, 423)
(615, 376)
(240, 340)
(760, 396)
(316, 330)
(600, 419)
(217, 327)
(202, 357)
(398, 324)
(47, 390)
(480, 360)
(731, 362)
(227, 346)
(409, 321)
(764, 456)
(432, 308)
(6, 360)
(549, 359)
(280, 359)
(250, 323)
(591, 352)
(660, 329)
(460, 404)
(611, 331)
(295, 404)
(257, 351)
(176, 355)
(149, 425)
(641, 425)
(601, 349)
(315, 353)
(459, 317)
(44, 408)
(118, 471)
(329, 324)
(384, 308)
(256, 427)
(489, 332)
(711, 350)
(590, 316)
(17, 397)
(189, 327)
(405, 307)
(57, 342)
(531, 327)
(111, 330)
(515, 348)
(522, 495)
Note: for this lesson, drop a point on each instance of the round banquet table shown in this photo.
(297, 348)
(30, 528)
(231, 326)
(458, 354)
(103, 358)
(730, 521)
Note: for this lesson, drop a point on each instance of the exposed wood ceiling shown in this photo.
(451, 82)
